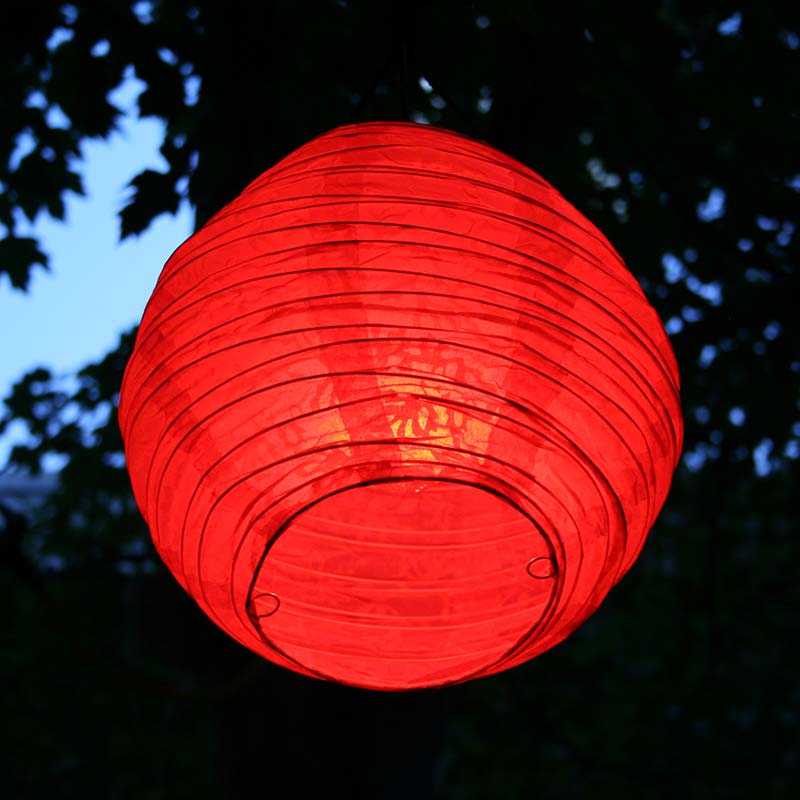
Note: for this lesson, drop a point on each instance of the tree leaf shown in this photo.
(154, 193)
(18, 255)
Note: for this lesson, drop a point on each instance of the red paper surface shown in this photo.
(398, 415)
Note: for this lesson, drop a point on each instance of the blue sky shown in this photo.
(96, 287)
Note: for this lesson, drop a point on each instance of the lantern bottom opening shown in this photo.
(404, 584)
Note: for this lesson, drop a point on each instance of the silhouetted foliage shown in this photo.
(674, 127)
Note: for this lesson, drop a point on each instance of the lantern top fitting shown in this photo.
(398, 416)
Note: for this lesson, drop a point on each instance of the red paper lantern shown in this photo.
(398, 416)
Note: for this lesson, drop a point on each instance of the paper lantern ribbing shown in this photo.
(398, 416)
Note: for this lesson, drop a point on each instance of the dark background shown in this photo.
(674, 127)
